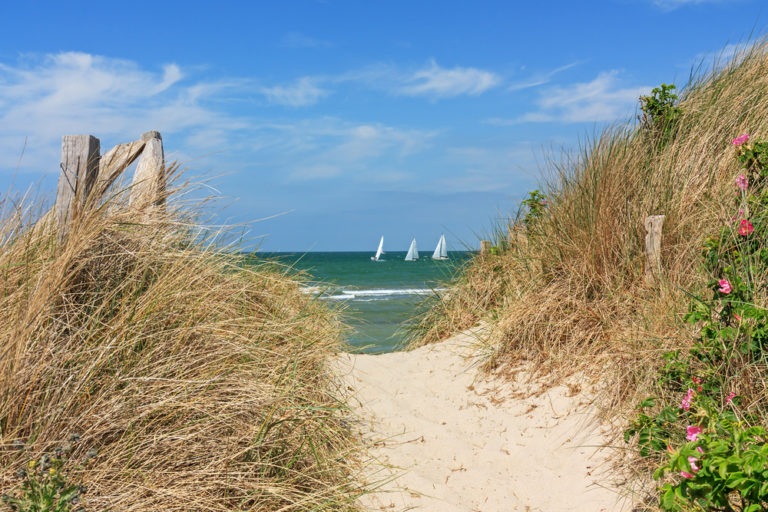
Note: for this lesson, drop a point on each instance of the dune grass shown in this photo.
(161, 373)
(568, 292)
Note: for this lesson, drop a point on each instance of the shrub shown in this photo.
(535, 204)
(660, 113)
(724, 464)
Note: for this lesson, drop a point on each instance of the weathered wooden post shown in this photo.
(79, 170)
(114, 162)
(653, 226)
(485, 246)
(148, 186)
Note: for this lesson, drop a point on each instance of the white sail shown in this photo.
(443, 247)
(441, 251)
(413, 253)
(379, 251)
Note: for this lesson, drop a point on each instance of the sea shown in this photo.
(377, 299)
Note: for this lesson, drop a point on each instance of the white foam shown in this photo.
(386, 291)
(382, 293)
(343, 296)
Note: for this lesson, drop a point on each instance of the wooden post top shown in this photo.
(152, 134)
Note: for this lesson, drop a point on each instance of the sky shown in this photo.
(321, 125)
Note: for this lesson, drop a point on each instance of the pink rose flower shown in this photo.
(729, 397)
(692, 462)
(725, 286)
(692, 433)
(741, 182)
(745, 228)
(686, 474)
(687, 400)
(737, 317)
(741, 139)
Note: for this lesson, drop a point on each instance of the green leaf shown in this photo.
(668, 500)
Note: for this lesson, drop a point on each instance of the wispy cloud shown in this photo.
(431, 81)
(599, 100)
(299, 40)
(539, 79)
(671, 5)
(718, 59)
(487, 168)
(302, 92)
(46, 97)
(330, 147)
(438, 82)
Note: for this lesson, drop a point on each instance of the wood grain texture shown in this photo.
(79, 170)
(115, 161)
(148, 186)
(653, 228)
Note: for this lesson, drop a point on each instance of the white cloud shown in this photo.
(488, 168)
(43, 98)
(540, 78)
(302, 92)
(440, 82)
(599, 100)
(299, 40)
(670, 5)
(716, 60)
(330, 147)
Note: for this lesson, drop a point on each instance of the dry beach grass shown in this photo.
(194, 384)
(569, 292)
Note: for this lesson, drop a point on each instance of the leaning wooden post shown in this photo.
(485, 246)
(79, 170)
(653, 226)
(148, 186)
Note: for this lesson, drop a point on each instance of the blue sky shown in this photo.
(353, 118)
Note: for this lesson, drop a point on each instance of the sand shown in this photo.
(444, 437)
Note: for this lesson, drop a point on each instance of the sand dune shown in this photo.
(449, 439)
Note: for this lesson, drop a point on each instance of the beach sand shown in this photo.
(444, 437)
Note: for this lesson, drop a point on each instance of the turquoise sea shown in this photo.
(377, 298)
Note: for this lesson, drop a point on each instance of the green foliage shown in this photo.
(724, 463)
(724, 466)
(45, 487)
(754, 158)
(536, 204)
(660, 113)
(653, 432)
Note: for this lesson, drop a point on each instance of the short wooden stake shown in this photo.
(148, 186)
(79, 170)
(485, 246)
(653, 228)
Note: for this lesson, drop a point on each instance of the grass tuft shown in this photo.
(189, 382)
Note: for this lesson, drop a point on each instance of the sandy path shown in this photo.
(454, 444)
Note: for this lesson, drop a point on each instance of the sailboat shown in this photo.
(413, 253)
(441, 251)
(379, 251)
